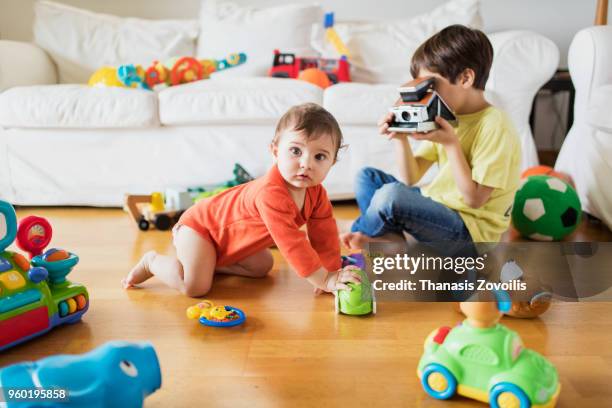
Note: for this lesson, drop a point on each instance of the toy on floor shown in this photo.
(241, 176)
(546, 209)
(175, 71)
(484, 360)
(116, 374)
(419, 107)
(540, 297)
(547, 171)
(34, 297)
(150, 210)
(360, 300)
(163, 211)
(216, 316)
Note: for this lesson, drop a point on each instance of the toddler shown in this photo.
(232, 231)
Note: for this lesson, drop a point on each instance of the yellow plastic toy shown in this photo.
(105, 76)
(218, 316)
(332, 36)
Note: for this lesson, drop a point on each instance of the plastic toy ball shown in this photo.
(546, 209)
(216, 316)
(316, 77)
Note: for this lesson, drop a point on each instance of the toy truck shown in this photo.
(287, 65)
(150, 209)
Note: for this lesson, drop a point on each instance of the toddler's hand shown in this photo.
(339, 279)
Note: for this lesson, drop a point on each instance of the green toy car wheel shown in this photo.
(506, 395)
(439, 382)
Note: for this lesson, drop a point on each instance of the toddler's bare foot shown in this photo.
(354, 240)
(140, 272)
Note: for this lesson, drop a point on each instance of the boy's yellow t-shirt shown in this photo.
(493, 151)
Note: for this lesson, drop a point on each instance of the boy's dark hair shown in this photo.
(313, 121)
(452, 50)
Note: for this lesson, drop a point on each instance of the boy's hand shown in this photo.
(383, 127)
(446, 135)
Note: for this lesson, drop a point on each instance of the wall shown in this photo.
(558, 20)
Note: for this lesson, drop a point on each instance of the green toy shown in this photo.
(241, 176)
(546, 208)
(360, 300)
(486, 361)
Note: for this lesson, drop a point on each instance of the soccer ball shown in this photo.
(545, 208)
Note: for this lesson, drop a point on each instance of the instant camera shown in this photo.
(419, 107)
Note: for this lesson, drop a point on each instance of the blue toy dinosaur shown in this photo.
(116, 374)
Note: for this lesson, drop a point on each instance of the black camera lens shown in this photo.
(406, 115)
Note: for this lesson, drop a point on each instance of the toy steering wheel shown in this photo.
(34, 234)
(186, 69)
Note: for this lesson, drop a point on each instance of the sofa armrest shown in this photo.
(24, 64)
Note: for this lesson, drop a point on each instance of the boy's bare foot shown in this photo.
(354, 240)
(140, 272)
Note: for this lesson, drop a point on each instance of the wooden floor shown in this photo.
(293, 350)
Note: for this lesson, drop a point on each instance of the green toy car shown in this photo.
(360, 300)
(487, 364)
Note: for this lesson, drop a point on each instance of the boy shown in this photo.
(470, 198)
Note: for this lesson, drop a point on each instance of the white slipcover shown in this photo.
(586, 154)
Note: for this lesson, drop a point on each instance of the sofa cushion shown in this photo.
(81, 41)
(77, 106)
(381, 51)
(234, 100)
(227, 27)
(354, 103)
(598, 112)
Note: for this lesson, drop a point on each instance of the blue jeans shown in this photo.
(390, 206)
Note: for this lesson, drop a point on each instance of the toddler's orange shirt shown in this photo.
(253, 216)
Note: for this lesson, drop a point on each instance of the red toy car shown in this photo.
(287, 65)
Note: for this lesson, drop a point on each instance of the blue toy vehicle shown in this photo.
(117, 374)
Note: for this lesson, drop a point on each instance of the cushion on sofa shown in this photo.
(598, 111)
(81, 41)
(381, 51)
(234, 100)
(359, 104)
(77, 106)
(226, 27)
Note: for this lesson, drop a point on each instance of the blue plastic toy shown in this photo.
(117, 374)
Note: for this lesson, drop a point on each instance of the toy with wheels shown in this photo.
(485, 361)
(360, 300)
(546, 209)
(151, 211)
(116, 374)
(216, 316)
(34, 296)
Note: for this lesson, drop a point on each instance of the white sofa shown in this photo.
(71, 144)
(586, 153)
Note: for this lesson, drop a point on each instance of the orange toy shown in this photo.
(315, 76)
(548, 171)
